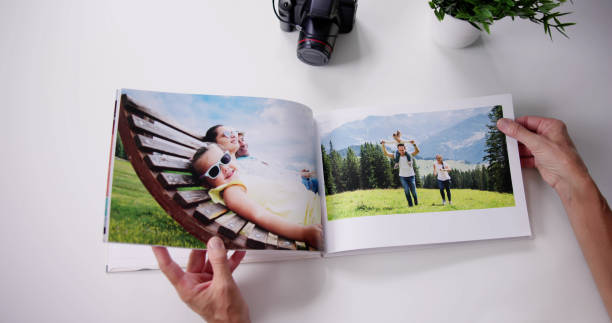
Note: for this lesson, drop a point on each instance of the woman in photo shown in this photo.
(225, 137)
(441, 170)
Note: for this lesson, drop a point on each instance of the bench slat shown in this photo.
(272, 240)
(257, 238)
(301, 245)
(208, 211)
(163, 146)
(170, 180)
(246, 230)
(167, 162)
(190, 198)
(133, 107)
(163, 131)
(286, 244)
(230, 224)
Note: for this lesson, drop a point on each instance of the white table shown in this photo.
(60, 63)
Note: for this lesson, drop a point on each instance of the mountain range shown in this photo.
(455, 136)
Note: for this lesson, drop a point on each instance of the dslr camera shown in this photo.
(319, 22)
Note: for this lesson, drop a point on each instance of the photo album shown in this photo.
(269, 176)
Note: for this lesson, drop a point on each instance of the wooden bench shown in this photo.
(160, 151)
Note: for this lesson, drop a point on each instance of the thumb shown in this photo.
(217, 256)
(518, 132)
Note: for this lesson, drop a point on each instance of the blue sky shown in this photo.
(278, 131)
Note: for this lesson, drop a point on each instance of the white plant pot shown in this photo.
(452, 32)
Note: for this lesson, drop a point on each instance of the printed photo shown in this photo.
(187, 167)
(415, 163)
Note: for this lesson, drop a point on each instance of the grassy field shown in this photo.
(137, 218)
(393, 201)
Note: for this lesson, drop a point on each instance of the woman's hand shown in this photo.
(207, 286)
(545, 144)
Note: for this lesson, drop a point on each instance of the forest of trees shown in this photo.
(374, 170)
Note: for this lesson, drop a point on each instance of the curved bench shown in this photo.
(160, 150)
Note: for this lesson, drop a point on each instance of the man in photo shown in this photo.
(406, 170)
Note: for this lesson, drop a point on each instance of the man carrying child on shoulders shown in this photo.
(405, 163)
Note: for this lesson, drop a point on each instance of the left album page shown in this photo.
(186, 167)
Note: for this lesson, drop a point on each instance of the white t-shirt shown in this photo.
(405, 167)
(442, 174)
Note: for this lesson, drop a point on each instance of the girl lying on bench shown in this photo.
(217, 171)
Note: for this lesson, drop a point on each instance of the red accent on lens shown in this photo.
(317, 41)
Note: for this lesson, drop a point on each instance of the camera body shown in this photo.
(319, 23)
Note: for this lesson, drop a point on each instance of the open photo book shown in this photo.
(271, 177)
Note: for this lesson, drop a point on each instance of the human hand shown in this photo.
(382, 142)
(411, 142)
(207, 287)
(545, 144)
(314, 235)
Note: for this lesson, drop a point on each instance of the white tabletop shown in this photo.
(61, 61)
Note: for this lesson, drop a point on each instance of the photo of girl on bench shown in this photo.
(217, 171)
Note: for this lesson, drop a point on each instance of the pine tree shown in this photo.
(497, 154)
(351, 171)
(335, 162)
(417, 173)
(368, 178)
(485, 178)
(330, 186)
(430, 181)
(382, 169)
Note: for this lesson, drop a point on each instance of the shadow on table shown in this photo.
(274, 287)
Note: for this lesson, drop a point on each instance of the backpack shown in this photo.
(397, 156)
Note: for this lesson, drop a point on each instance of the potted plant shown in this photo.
(469, 17)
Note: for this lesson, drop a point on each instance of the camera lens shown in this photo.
(316, 41)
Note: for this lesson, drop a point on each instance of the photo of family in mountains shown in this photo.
(414, 163)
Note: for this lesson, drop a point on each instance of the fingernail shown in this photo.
(215, 243)
(503, 123)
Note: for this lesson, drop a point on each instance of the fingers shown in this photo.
(532, 122)
(217, 256)
(518, 132)
(235, 259)
(170, 268)
(524, 151)
(197, 258)
(528, 162)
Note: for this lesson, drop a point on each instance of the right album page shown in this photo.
(417, 174)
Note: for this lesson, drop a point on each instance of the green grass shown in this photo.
(135, 217)
(393, 201)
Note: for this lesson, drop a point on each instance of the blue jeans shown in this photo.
(444, 185)
(409, 185)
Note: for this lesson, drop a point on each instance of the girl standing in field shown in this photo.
(441, 170)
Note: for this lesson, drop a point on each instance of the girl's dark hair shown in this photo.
(194, 172)
(211, 133)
